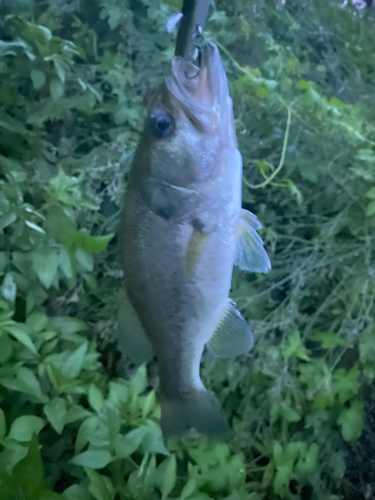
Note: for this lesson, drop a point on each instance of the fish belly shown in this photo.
(178, 310)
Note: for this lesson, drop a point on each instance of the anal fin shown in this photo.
(132, 339)
(232, 336)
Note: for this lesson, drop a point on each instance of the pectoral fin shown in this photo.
(132, 340)
(250, 254)
(232, 335)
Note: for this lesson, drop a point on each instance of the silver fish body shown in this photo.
(180, 230)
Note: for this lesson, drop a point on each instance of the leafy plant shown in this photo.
(72, 78)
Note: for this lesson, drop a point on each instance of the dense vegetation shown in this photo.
(72, 78)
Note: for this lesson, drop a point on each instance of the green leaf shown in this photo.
(308, 170)
(56, 88)
(153, 441)
(66, 325)
(25, 381)
(84, 259)
(65, 263)
(37, 321)
(7, 220)
(367, 348)
(366, 155)
(370, 209)
(4, 261)
(91, 244)
(85, 430)
(303, 84)
(59, 67)
(169, 472)
(294, 347)
(73, 365)
(7, 48)
(294, 191)
(139, 381)
(43, 494)
(334, 101)
(77, 492)
(277, 453)
(35, 227)
(38, 78)
(328, 340)
(95, 397)
(188, 489)
(23, 428)
(128, 444)
(13, 168)
(3, 427)
(282, 479)
(121, 114)
(346, 383)
(308, 462)
(100, 486)
(61, 225)
(271, 84)
(149, 404)
(11, 124)
(9, 288)
(141, 482)
(351, 421)
(94, 459)
(264, 166)
(110, 417)
(96, 244)
(6, 348)
(28, 473)
(45, 263)
(55, 411)
(21, 332)
(15, 452)
(290, 415)
(76, 412)
(371, 193)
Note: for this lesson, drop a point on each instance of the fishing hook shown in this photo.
(198, 40)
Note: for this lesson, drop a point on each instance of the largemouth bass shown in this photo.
(183, 230)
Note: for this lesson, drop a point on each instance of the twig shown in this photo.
(282, 159)
(245, 71)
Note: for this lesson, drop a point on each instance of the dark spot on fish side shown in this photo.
(198, 225)
(165, 212)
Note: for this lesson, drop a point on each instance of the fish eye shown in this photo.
(163, 124)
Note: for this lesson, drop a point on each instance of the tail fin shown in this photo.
(200, 410)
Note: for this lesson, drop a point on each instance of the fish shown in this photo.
(182, 230)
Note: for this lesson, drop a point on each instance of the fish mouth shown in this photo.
(202, 92)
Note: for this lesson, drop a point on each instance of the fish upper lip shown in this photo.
(205, 94)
